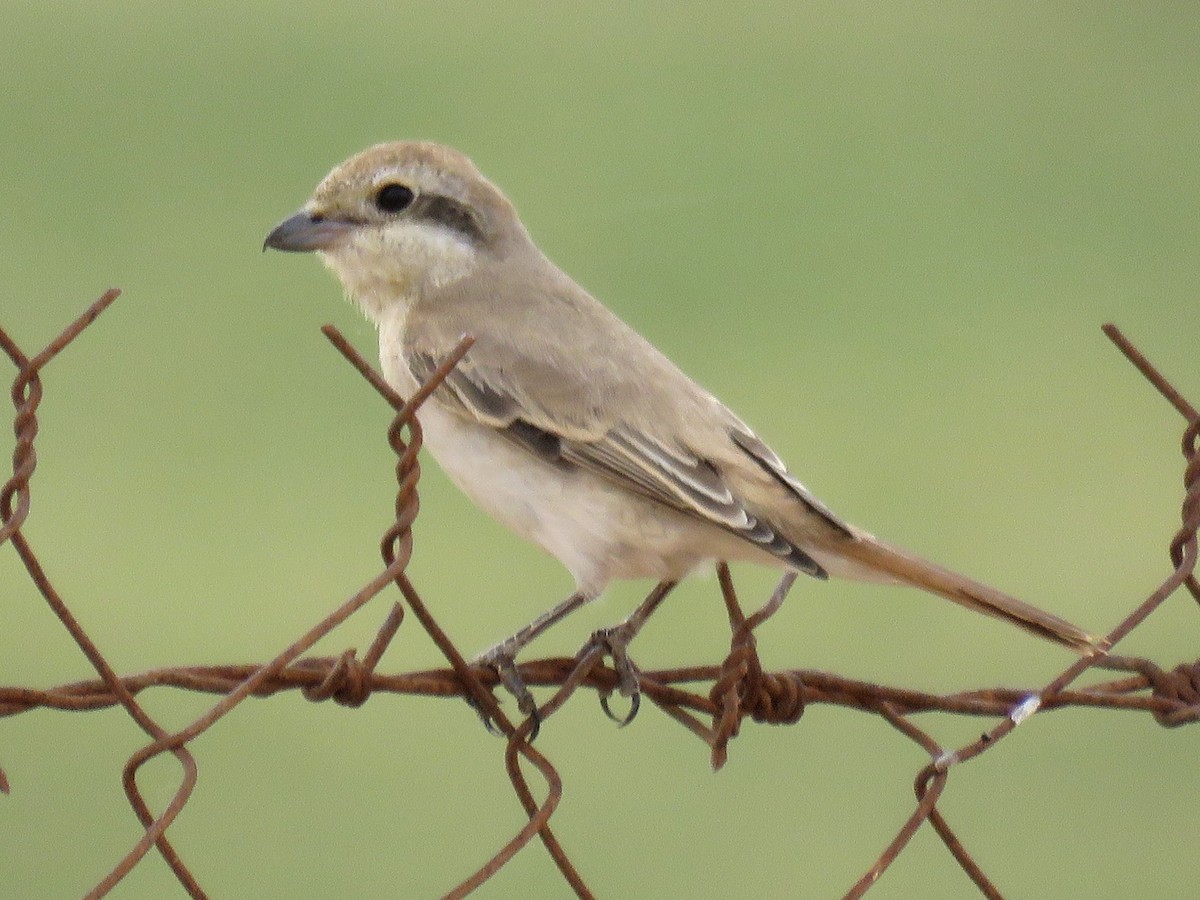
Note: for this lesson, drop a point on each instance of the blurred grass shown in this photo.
(886, 236)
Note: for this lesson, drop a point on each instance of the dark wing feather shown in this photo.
(771, 463)
(671, 475)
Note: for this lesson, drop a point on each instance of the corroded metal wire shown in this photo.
(712, 701)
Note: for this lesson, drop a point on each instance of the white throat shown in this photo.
(385, 268)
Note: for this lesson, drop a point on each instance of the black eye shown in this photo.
(391, 198)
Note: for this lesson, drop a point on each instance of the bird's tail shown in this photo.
(875, 560)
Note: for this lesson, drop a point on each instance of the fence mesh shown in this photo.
(711, 701)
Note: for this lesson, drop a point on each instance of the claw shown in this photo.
(615, 642)
(635, 702)
(501, 660)
(506, 668)
(484, 717)
(535, 723)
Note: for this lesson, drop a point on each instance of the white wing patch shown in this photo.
(770, 461)
(668, 474)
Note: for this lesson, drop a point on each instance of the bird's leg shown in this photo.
(615, 641)
(503, 657)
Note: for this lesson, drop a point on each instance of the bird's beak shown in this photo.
(305, 232)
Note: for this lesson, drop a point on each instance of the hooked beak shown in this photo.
(305, 232)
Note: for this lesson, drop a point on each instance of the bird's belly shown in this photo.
(599, 531)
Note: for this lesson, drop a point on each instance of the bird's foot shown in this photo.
(615, 643)
(502, 659)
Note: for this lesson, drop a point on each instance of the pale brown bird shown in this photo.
(563, 422)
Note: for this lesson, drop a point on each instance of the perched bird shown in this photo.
(563, 422)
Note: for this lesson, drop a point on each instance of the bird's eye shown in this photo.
(391, 198)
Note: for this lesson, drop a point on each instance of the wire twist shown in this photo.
(739, 686)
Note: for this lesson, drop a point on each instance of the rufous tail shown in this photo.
(907, 568)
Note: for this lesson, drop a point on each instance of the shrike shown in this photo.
(563, 422)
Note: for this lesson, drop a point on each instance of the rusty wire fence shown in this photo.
(711, 701)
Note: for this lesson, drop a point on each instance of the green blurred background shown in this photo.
(886, 234)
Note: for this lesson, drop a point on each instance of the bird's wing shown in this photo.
(566, 411)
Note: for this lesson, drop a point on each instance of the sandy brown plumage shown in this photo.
(564, 422)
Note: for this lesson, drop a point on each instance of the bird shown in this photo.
(563, 422)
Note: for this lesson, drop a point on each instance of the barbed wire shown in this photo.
(711, 701)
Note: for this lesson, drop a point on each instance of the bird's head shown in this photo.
(400, 219)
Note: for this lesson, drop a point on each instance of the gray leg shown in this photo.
(616, 640)
(503, 656)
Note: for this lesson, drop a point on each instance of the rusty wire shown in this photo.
(711, 701)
